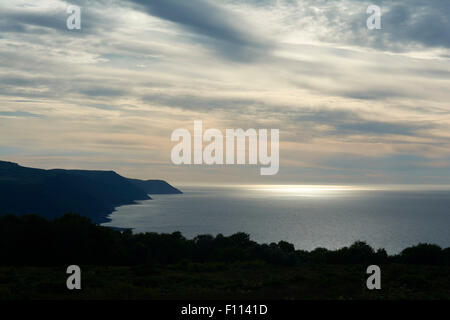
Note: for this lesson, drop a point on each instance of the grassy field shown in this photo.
(243, 280)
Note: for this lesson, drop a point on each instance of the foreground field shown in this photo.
(249, 280)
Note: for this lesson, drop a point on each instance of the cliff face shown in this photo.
(52, 193)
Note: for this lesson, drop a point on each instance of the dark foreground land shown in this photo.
(235, 281)
(34, 255)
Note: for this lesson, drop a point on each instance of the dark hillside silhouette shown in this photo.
(155, 186)
(52, 193)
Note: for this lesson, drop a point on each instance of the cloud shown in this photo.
(115, 90)
(341, 122)
(418, 22)
(226, 31)
(338, 121)
(201, 103)
(19, 114)
(406, 25)
(103, 92)
(15, 20)
(50, 16)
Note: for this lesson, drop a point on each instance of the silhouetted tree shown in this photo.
(72, 239)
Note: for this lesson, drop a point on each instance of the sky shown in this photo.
(353, 105)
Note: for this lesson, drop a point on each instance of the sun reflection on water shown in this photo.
(337, 190)
(309, 190)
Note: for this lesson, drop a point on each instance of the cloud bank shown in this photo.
(109, 95)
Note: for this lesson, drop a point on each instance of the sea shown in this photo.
(308, 216)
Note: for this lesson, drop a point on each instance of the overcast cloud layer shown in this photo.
(353, 105)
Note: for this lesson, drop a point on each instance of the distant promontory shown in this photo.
(52, 193)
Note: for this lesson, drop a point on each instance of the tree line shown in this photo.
(72, 239)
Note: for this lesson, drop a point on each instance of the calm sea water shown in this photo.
(307, 216)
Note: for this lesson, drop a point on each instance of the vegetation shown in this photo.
(231, 281)
(34, 253)
(33, 240)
